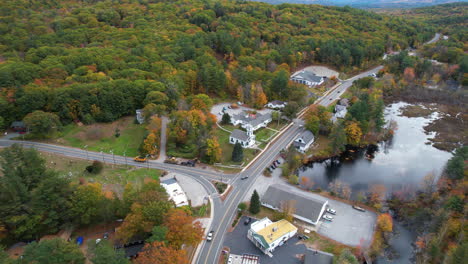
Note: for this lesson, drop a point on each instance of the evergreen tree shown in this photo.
(226, 119)
(338, 138)
(237, 153)
(254, 207)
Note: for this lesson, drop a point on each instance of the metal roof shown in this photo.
(240, 135)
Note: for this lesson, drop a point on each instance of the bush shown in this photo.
(95, 168)
(242, 206)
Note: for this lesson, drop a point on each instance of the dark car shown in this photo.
(278, 162)
(245, 177)
(247, 221)
(272, 167)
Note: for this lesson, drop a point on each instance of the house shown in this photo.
(276, 104)
(308, 78)
(268, 235)
(307, 208)
(317, 257)
(175, 192)
(246, 139)
(256, 121)
(340, 111)
(303, 141)
(344, 102)
(139, 116)
(18, 126)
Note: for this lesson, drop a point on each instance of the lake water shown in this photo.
(400, 163)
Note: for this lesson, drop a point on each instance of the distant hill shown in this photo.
(366, 3)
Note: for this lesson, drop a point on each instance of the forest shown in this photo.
(95, 61)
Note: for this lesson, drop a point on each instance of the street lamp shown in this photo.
(86, 149)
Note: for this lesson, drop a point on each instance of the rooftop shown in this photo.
(306, 136)
(239, 134)
(175, 192)
(280, 228)
(307, 75)
(252, 119)
(306, 206)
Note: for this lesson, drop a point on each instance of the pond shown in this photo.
(400, 163)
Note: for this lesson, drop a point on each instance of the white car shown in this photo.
(209, 237)
(230, 260)
(327, 217)
(331, 211)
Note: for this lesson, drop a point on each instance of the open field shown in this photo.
(101, 137)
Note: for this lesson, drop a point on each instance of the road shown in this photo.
(434, 39)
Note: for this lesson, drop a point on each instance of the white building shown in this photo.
(139, 116)
(246, 139)
(307, 208)
(304, 141)
(306, 77)
(175, 192)
(255, 121)
(268, 235)
(276, 104)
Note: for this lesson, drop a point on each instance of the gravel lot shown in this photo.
(349, 226)
(219, 107)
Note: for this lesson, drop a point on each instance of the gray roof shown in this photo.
(344, 102)
(307, 75)
(240, 135)
(339, 108)
(317, 257)
(306, 136)
(18, 124)
(277, 102)
(306, 206)
(253, 120)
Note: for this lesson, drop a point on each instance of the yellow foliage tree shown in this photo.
(353, 133)
(385, 222)
(150, 144)
(213, 150)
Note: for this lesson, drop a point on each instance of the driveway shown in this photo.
(239, 244)
(216, 110)
(349, 226)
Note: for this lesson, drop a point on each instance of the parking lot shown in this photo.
(349, 226)
(216, 110)
(239, 244)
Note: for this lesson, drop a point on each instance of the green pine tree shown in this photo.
(226, 119)
(237, 153)
(254, 207)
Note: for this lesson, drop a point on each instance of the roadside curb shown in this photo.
(195, 256)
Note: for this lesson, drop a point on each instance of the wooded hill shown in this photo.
(97, 60)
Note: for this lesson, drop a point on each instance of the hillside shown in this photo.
(366, 3)
(97, 60)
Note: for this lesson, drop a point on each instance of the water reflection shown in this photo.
(400, 162)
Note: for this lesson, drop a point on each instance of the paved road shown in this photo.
(162, 151)
(434, 39)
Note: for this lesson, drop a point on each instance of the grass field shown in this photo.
(119, 174)
(101, 137)
(263, 134)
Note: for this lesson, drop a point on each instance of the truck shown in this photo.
(171, 160)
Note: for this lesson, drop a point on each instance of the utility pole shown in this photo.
(102, 153)
(86, 149)
(147, 162)
(113, 157)
(125, 157)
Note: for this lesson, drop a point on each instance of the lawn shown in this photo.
(263, 134)
(320, 147)
(118, 174)
(101, 137)
(324, 244)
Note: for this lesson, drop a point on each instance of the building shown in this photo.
(18, 126)
(175, 192)
(307, 209)
(246, 139)
(244, 259)
(139, 116)
(268, 235)
(276, 104)
(340, 111)
(256, 121)
(308, 78)
(317, 257)
(304, 141)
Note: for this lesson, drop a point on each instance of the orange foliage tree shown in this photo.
(182, 229)
(385, 222)
(158, 253)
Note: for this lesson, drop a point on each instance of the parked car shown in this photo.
(327, 217)
(247, 221)
(230, 260)
(106, 236)
(209, 237)
(359, 208)
(140, 159)
(331, 211)
(278, 162)
(272, 167)
(245, 177)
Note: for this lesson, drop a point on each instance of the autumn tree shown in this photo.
(159, 253)
(104, 253)
(86, 202)
(213, 150)
(353, 133)
(347, 257)
(385, 222)
(338, 138)
(182, 229)
(254, 206)
(149, 145)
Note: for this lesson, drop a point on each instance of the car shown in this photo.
(330, 99)
(230, 260)
(278, 162)
(245, 177)
(106, 236)
(247, 221)
(331, 211)
(230, 107)
(339, 91)
(209, 237)
(220, 113)
(272, 168)
(327, 217)
(140, 159)
(359, 208)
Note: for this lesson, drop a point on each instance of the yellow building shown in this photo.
(268, 235)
